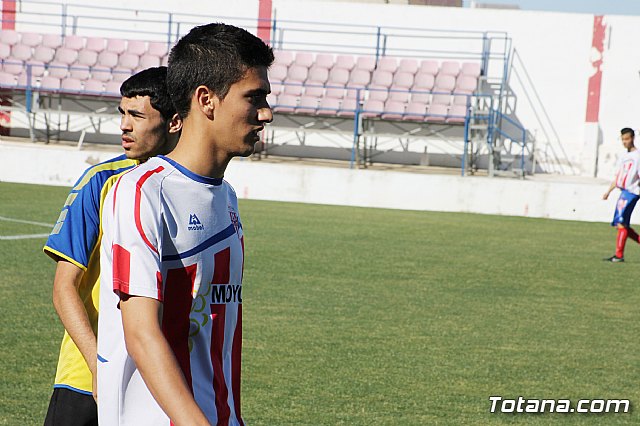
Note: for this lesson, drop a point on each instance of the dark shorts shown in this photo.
(70, 408)
(624, 208)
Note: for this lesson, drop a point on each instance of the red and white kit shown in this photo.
(175, 236)
(628, 177)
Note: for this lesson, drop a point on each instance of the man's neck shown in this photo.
(198, 155)
(633, 148)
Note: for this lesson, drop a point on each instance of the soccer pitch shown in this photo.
(377, 317)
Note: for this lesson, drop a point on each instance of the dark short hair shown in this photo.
(627, 131)
(151, 82)
(213, 55)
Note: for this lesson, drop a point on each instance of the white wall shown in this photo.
(55, 165)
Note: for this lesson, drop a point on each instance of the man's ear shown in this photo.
(206, 101)
(175, 124)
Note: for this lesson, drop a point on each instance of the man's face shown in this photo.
(627, 140)
(144, 130)
(242, 114)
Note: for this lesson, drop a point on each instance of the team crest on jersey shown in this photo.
(234, 219)
(194, 223)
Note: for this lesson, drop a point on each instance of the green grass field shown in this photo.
(378, 317)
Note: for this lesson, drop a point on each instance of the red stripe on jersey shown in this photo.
(217, 342)
(136, 212)
(236, 356)
(221, 267)
(159, 285)
(121, 268)
(242, 271)
(178, 296)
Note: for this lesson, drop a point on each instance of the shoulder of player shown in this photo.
(98, 174)
(146, 177)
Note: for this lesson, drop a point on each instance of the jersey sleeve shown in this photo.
(136, 231)
(76, 231)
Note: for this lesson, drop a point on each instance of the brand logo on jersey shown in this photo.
(234, 220)
(194, 223)
(226, 293)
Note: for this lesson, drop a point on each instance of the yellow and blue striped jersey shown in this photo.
(76, 238)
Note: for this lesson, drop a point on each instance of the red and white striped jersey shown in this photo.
(175, 236)
(627, 176)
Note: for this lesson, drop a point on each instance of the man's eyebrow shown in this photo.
(256, 92)
(133, 112)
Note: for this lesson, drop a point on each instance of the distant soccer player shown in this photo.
(170, 327)
(149, 127)
(628, 181)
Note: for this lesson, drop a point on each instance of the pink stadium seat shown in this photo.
(283, 57)
(359, 78)
(304, 59)
(428, 66)
(296, 75)
(466, 83)
(7, 80)
(37, 68)
(148, 61)
(423, 81)
(378, 93)
(308, 105)
(408, 66)
(416, 111)
(328, 106)
(74, 42)
(436, 113)
(112, 87)
(13, 66)
(44, 54)
(5, 51)
(21, 52)
(338, 77)
(116, 45)
(324, 60)
(471, 69)
(318, 75)
(457, 114)
(388, 64)
(372, 108)
(71, 85)
(107, 59)
(444, 83)
(312, 88)
(80, 72)
(121, 74)
(87, 58)
(94, 86)
(157, 48)
(366, 63)
(348, 108)
(128, 61)
(95, 44)
(286, 103)
(51, 40)
(393, 110)
(461, 97)
(136, 47)
(23, 81)
(164, 61)
(277, 72)
(345, 62)
(101, 74)
(66, 56)
(31, 39)
(450, 68)
(9, 37)
(441, 99)
(58, 70)
(277, 88)
(402, 82)
(382, 78)
(50, 83)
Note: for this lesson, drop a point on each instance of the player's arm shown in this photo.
(155, 360)
(73, 314)
(609, 190)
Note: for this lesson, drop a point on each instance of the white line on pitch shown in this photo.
(22, 237)
(29, 222)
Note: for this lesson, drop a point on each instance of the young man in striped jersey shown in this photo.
(628, 181)
(149, 126)
(170, 327)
